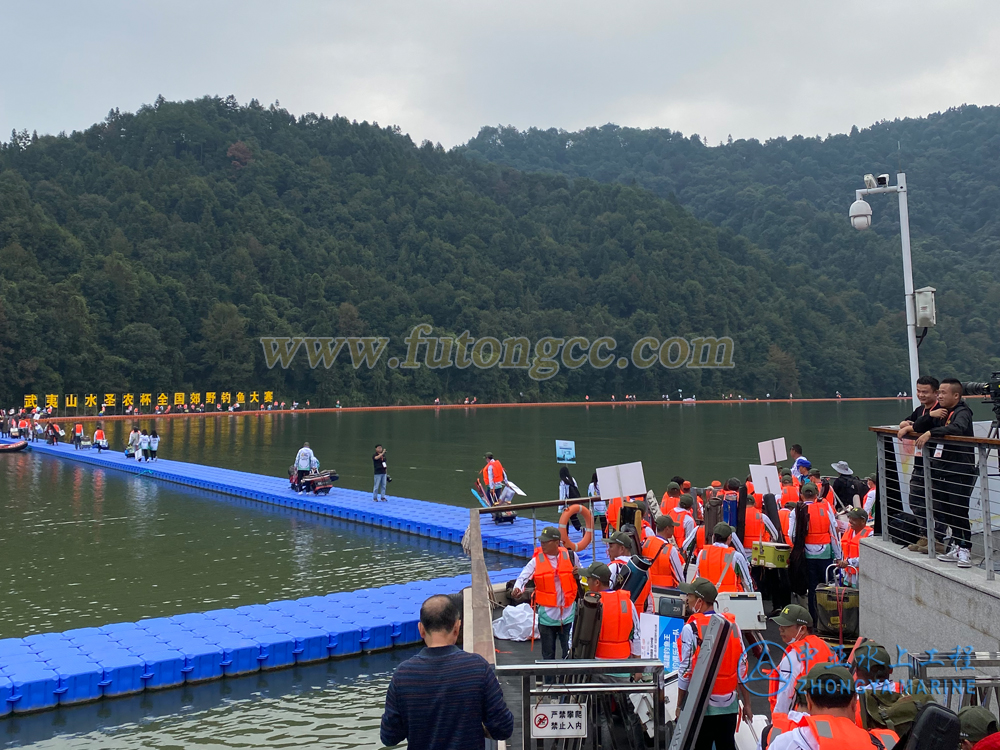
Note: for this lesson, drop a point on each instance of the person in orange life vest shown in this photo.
(494, 477)
(683, 517)
(830, 701)
(781, 723)
(869, 501)
(872, 669)
(803, 650)
(723, 564)
(756, 526)
(826, 496)
(670, 497)
(77, 435)
(620, 549)
(783, 514)
(729, 688)
(554, 570)
(100, 440)
(821, 538)
(756, 495)
(667, 568)
(850, 544)
(619, 637)
(789, 493)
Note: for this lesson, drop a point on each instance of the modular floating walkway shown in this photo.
(43, 671)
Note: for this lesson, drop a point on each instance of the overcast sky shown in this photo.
(441, 70)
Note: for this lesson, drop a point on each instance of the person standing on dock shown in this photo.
(378, 459)
(813, 527)
(554, 569)
(443, 698)
(303, 465)
(494, 478)
(666, 568)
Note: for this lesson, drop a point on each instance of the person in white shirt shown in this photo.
(154, 445)
(142, 451)
(600, 507)
(869, 503)
(304, 461)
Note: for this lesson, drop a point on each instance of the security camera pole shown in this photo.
(861, 218)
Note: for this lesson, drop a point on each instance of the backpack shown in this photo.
(894, 711)
(905, 528)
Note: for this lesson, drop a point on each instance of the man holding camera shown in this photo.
(380, 473)
(953, 469)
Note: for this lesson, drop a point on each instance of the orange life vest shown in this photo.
(614, 509)
(780, 723)
(616, 626)
(838, 733)
(783, 515)
(811, 650)
(728, 676)
(789, 494)
(753, 527)
(98, 434)
(545, 579)
(78, 429)
(756, 495)
(699, 539)
(661, 572)
(718, 565)
(678, 516)
(497, 472)
(819, 523)
(886, 736)
(850, 545)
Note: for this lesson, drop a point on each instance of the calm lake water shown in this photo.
(81, 547)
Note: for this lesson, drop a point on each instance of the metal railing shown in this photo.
(948, 485)
(956, 679)
(519, 508)
(583, 677)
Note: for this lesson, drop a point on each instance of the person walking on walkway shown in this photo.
(444, 698)
(555, 571)
(381, 473)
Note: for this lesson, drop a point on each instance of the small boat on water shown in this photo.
(20, 445)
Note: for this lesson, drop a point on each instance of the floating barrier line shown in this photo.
(41, 672)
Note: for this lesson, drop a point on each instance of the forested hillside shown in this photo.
(153, 250)
(790, 196)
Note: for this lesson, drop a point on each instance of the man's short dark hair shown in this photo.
(929, 380)
(797, 448)
(955, 382)
(827, 692)
(439, 614)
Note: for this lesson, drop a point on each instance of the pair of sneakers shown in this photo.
(958, 555)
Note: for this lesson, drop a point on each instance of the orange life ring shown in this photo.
(588, 533)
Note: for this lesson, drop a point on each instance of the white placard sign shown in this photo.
(772, 451)
(559, 720)
(623, 480)
(765, 479)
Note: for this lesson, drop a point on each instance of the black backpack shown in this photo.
(905, 528)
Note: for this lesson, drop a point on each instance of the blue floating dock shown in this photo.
(43, 671)
(419, 517)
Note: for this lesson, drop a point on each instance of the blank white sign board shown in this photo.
(623, 480)
(772, 451)
(765, 479)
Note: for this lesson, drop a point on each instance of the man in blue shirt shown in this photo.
(443, 698)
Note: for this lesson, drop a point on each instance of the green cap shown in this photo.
(643, 506)
(600, 571)
(488, 455)
(814, 472)
(664, 522)
(673, 487)
(702, 588)
(723, 529)
(857, 513)
(977, 723)
(872, 478)
(786, 479)
(620, 537)
(549, 534)
(809, 489)
(786, 472)
(828, 680)
(793, 614)
(789, 504)
(686, 501)
(870, 655)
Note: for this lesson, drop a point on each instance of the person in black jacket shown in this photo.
(927, 393)
(953, 468)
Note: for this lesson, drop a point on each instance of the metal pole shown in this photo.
(882, 498)
(911, 306)
(986, 510)
(926, 452)
(534, 530)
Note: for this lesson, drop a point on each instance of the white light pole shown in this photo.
(861, 218)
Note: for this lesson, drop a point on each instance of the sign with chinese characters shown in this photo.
(559, 720)
(658, 639)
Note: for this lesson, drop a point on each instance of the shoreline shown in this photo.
(428, 407)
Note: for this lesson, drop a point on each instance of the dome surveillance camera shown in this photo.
(861, 215)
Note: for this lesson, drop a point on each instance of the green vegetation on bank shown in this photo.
(152, 251)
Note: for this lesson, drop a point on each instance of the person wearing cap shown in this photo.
(667, 568)
(494, 477)
(817, 523)
(781, 723)
(757, 527)
(850, 544)
(728, 688)
(619, 637)
(620, 551)
(802, 651)
(825, 491)
(801, 470)
(722, 564)
(554, 570)
(682, 514)
(830, 700)
(976, 724)
(789, 492)
(670, 497)
(871, 666)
